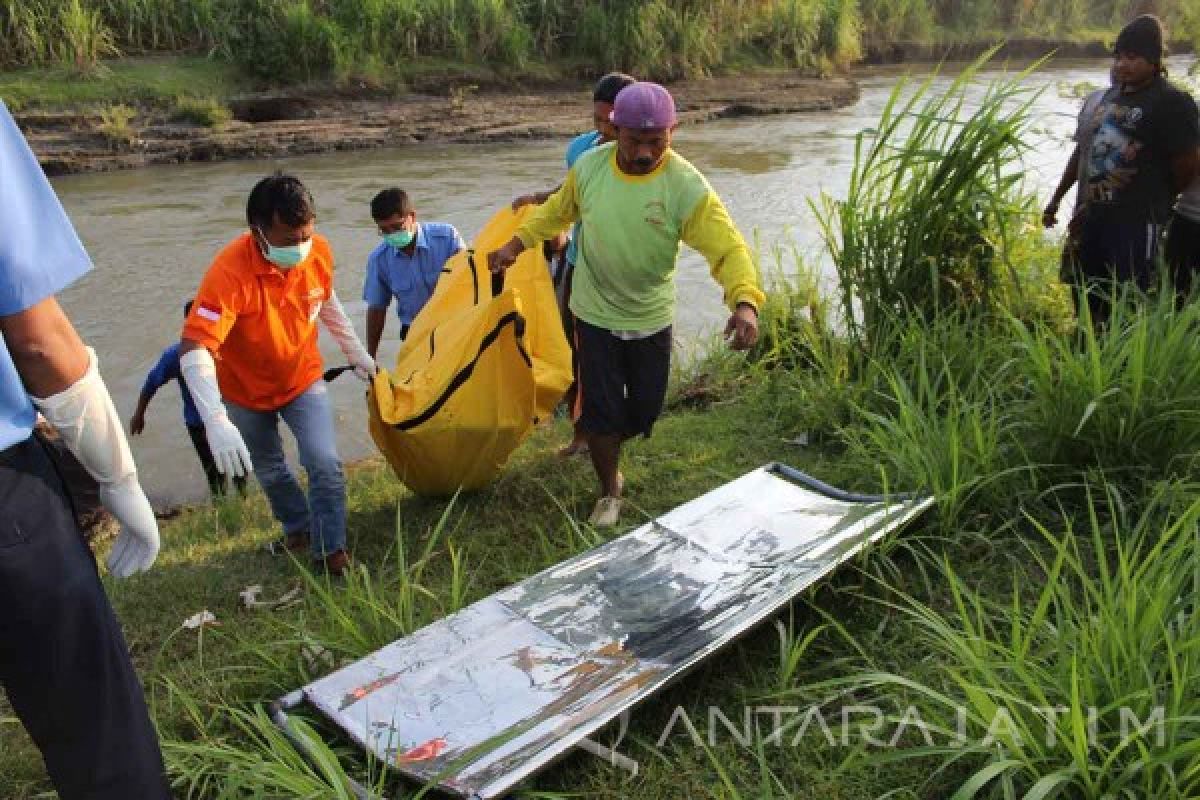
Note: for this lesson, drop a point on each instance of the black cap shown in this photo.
(608, 87)
(1143, 37)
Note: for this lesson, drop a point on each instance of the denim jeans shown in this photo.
(310, 418)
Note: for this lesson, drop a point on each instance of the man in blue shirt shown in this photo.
(604, 95)
(63, 660)
(165, 371)
(406, 265)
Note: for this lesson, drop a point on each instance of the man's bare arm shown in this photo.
(45, 348)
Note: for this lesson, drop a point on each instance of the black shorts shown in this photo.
(622, 384)
(1111, 250)
(1183, 252)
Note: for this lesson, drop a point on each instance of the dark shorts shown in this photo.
(621, 384)
(1109, 253)
(1183, 252)
(63, 659)
(1114, 250)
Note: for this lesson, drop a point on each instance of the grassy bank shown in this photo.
(162, 82)
(289, 41)
(1059, 570)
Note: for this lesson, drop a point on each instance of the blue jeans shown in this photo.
(310, 418)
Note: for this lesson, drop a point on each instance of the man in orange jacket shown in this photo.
(250, 358)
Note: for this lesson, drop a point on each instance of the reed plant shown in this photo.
(933, 204)
(1081, 682)
(656, 39)
(84, 38)
(1125, 400)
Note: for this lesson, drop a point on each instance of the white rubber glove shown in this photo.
(333, 316)
(228, 448)
(85, 417)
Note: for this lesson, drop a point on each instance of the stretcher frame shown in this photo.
(560, 655)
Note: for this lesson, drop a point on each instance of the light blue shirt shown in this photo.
(578, 146)
(392, 273)
(40, 254)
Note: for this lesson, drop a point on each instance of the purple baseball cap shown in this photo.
(644, 106)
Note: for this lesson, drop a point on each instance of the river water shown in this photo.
(152, 232)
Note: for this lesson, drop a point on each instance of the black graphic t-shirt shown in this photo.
(1133, 139)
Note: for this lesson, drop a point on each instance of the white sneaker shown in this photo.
(607, 513)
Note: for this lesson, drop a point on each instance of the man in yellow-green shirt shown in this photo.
(636, 200)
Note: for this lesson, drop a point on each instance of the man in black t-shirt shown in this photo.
(1141, 153)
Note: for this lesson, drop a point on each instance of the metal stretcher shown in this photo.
(481, 700)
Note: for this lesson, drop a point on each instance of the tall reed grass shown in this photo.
(934, 203)
(1082, 682)
(1063, 662)
(288, 40)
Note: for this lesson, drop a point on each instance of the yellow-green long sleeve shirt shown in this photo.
(631, 229)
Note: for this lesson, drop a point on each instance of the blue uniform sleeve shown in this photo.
(40, 253)
(376, 292)
(459, 244)
(165, 371)
(580, 145)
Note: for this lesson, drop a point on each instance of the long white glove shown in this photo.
(333, 316)
(228, 449)
(86, 419)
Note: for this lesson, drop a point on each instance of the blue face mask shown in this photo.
(399, 239)
(287, 257)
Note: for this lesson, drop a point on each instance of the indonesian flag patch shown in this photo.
(212, 315)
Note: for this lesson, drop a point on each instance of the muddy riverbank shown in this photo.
(279, 124)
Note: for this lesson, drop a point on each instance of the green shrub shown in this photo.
(116, 126)
(207, 112)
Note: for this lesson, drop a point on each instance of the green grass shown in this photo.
(285, 42)
(1061, 567)
(1036, 579)
(920, 622)
(157, 82)
(1082, 676)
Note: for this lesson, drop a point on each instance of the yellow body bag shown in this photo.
(484, 360)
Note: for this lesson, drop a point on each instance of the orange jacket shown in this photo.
(260, 323)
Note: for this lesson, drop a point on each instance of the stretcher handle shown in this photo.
(277, 711)
(832, 492)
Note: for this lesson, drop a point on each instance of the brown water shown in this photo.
(153, 232)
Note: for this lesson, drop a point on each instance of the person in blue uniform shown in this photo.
(165, 371)
(406, 265)
(64, 663)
